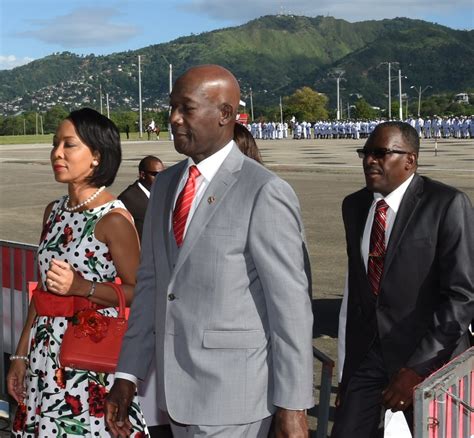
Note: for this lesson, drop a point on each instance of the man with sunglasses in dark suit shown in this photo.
(135, 197)
(409, 294)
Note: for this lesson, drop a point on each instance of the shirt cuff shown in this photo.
(127, 376)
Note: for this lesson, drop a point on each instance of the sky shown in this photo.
(32, 29)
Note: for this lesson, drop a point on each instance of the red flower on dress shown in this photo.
(20, 418)
(45, 230)
(67, 235)
(57, 218)
(89, 322)
(139, 435)
(60, 378)
(89, 254)
(74, 403)
(96, 399)
(108, 256)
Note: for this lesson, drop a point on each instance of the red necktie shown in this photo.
(183, 205)
(377, 246)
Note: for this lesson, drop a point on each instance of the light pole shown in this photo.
(100, 97)
(251, 104)
(170, 87)
(389, 63)
(140, 118)
(420, 92)
(337, 74)
(338, 111)
(400, 110)
(281, 112)
(107, 103)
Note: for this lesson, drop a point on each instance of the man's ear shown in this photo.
(227, 114)
(411, 161)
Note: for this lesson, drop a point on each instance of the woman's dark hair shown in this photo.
(246, 142)
(102, 136)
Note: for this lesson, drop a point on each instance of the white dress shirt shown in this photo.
(208, 168)
(144, 190)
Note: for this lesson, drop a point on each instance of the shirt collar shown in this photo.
(209, 167)
(394, 199)
(144, 189)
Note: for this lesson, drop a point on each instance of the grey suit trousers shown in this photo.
(258, 429)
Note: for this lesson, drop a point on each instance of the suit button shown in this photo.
(171, 297)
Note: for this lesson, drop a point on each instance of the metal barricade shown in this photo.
(324, 392)
(444, 401)
(17, 267)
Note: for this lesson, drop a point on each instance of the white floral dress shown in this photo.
(65, 402)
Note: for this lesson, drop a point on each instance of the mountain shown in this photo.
(272, 55)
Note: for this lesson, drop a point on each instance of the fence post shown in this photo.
(324, 392)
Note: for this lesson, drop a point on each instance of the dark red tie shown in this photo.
(183, 205)
(377, 246)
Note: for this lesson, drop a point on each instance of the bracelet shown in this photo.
(92, 291)
(15, 357)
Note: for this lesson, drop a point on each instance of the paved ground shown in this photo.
(322, 172)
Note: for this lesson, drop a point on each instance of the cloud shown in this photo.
(350, 10)
(81, 28)
(11, 61)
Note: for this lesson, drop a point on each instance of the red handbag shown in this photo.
(92, 341)
(49, 304)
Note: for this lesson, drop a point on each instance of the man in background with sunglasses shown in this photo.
(409, 297)
(135, 197)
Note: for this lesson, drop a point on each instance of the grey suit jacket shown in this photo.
(229, 316)
(426, 299)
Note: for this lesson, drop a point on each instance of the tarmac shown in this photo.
(322, 173)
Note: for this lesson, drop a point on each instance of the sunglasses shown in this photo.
(378, 152)
(152, 172)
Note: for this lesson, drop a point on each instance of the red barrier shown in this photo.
(19, 275)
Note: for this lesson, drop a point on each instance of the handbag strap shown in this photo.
(121, 297)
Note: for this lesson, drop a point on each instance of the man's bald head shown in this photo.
(215, 81)
(204, 104)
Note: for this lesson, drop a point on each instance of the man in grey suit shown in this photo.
(222, 295)
(409, 297)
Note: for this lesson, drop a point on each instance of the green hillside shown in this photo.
(273, 55)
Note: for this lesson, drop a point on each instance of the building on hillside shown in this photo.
(462, 98)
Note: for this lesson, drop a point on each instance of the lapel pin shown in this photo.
(211, 199)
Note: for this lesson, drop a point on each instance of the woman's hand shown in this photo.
(62, 279)
(16, 380)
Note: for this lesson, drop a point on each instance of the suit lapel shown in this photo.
(405, 213)
(212, 198)
(361, 218)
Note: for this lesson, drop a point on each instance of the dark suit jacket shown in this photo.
(426, 300)
(136, 202)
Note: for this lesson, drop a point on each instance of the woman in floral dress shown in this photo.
(88, 239)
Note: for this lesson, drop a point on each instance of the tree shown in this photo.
(12, 125)
(124, 118)
(306, 104)
(364, 111)
(53, 118)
